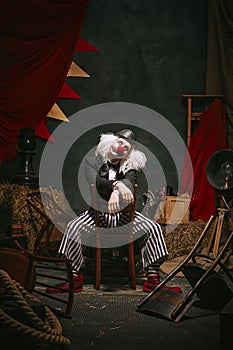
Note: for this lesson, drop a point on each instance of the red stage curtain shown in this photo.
(37, 42)
(209, 137)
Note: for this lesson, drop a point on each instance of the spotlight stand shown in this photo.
(215, 235)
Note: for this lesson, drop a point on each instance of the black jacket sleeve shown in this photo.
(97, 173)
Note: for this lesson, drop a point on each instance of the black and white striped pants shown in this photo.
(81, 232)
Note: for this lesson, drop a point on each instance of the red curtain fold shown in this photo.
(209, 137)
(38, 40)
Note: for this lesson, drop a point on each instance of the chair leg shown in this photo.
(132, 265)
(97, 268)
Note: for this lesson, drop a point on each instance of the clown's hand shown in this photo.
(113, 203)
(125, 192)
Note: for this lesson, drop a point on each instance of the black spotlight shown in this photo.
(219, 170)
(219, 173)
(27, 144)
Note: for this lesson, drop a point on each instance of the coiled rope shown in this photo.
(18, 318)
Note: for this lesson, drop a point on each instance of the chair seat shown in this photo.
(18, 266)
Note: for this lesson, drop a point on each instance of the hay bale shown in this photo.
(14, 196)
(181, 239)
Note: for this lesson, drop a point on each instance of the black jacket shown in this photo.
(96, 172)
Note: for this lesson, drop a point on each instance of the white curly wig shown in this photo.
(136, 159)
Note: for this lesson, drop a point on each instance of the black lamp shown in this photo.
(27, 144)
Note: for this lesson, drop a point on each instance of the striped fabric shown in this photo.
(81, 232)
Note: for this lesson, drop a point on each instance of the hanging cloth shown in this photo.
(209, 136)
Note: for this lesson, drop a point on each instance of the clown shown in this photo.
(114, 168)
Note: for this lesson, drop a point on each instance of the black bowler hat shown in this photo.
(128, 135)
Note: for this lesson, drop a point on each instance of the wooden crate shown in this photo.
(172, 209)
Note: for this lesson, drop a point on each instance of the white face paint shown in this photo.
(120, 149)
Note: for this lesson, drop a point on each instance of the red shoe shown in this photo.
(65, 288)
(153, 281)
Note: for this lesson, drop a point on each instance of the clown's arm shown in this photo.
(122, 186)
(124, 190)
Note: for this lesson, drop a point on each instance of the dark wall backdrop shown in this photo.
(150, 53)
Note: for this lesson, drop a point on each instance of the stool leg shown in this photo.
(97, 268)
(132, 265)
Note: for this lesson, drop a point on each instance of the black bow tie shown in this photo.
(114, 165)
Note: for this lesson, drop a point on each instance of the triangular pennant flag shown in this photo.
(56, 113)
(83, 46)
(67, 92)
(76, 71)
(42, 131)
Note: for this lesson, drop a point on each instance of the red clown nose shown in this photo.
(120, 150)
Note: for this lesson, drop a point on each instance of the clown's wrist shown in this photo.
(115, 185)
(116, 191)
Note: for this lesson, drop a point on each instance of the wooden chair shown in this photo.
(48, 235)
(40, 266)
(202, 102)
(99, 202)
(50, 268)
(35, 273)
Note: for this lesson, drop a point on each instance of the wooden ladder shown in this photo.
(195, 115)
